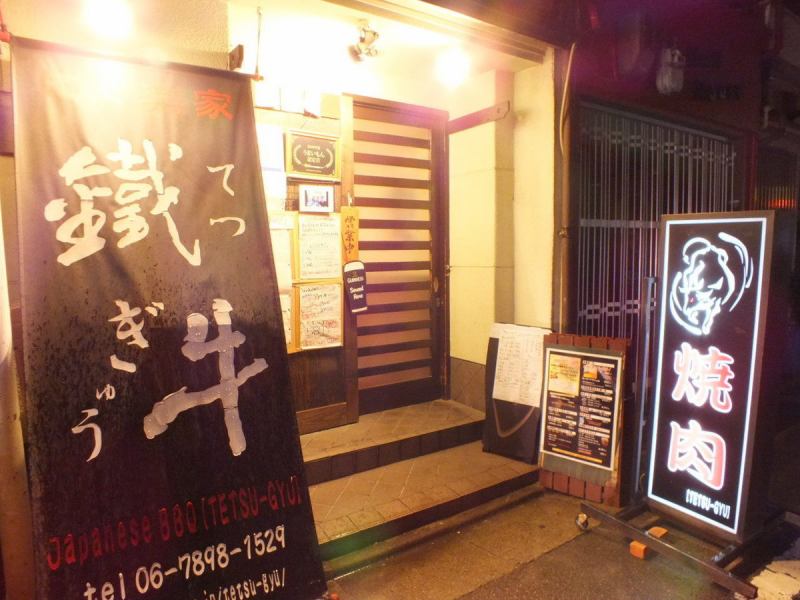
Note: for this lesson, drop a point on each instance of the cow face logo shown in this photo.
(714, 279)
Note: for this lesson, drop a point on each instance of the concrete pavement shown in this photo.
(530, 548)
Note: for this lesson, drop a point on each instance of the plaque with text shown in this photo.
(312, 156)
(162, 447)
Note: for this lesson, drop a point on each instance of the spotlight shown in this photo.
(365, 47)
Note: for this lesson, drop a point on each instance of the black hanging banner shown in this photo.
(715, 272)
(162, 447)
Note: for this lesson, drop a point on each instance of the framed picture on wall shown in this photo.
(312, 156)
(316, 198)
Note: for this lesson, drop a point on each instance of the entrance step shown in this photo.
(386, 437)
(356, 511)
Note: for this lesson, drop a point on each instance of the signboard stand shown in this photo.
(583, 480)
(711, 430)
(512, 387)
(716, 567)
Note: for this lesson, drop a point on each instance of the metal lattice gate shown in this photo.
(778, 179)
(628, 171)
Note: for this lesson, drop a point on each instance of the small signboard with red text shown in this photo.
(714, 277)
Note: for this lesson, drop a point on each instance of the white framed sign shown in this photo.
(713, 270)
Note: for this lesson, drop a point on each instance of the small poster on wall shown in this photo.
(320, 247)
(355, 280)
(281, 230)
(350, 225)
(320, 315)
(273, 175)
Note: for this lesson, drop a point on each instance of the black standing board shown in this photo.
(510, 428)
(161, 443)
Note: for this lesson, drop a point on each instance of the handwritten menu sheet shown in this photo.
(320, 315)
(320, 254)
(518, 377)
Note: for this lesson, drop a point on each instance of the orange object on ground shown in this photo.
(638, 549)
(658, 532)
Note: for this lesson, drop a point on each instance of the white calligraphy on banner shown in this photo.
(88, 178)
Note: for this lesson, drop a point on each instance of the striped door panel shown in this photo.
(392, 189)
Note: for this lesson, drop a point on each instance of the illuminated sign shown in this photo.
(708, 365)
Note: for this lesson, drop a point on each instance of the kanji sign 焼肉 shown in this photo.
(711, 321)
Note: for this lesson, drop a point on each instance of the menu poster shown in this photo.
(320, 315)
(320, 247)
(160, 436)
(581, 404)
(270, 146)
(518, 377)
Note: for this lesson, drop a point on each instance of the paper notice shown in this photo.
(320, 247)
(320, 315)
(520, 352)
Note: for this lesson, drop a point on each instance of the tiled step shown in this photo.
(358, 510)
(383, 438)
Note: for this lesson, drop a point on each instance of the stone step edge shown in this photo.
(349, 462)
(335, 552)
